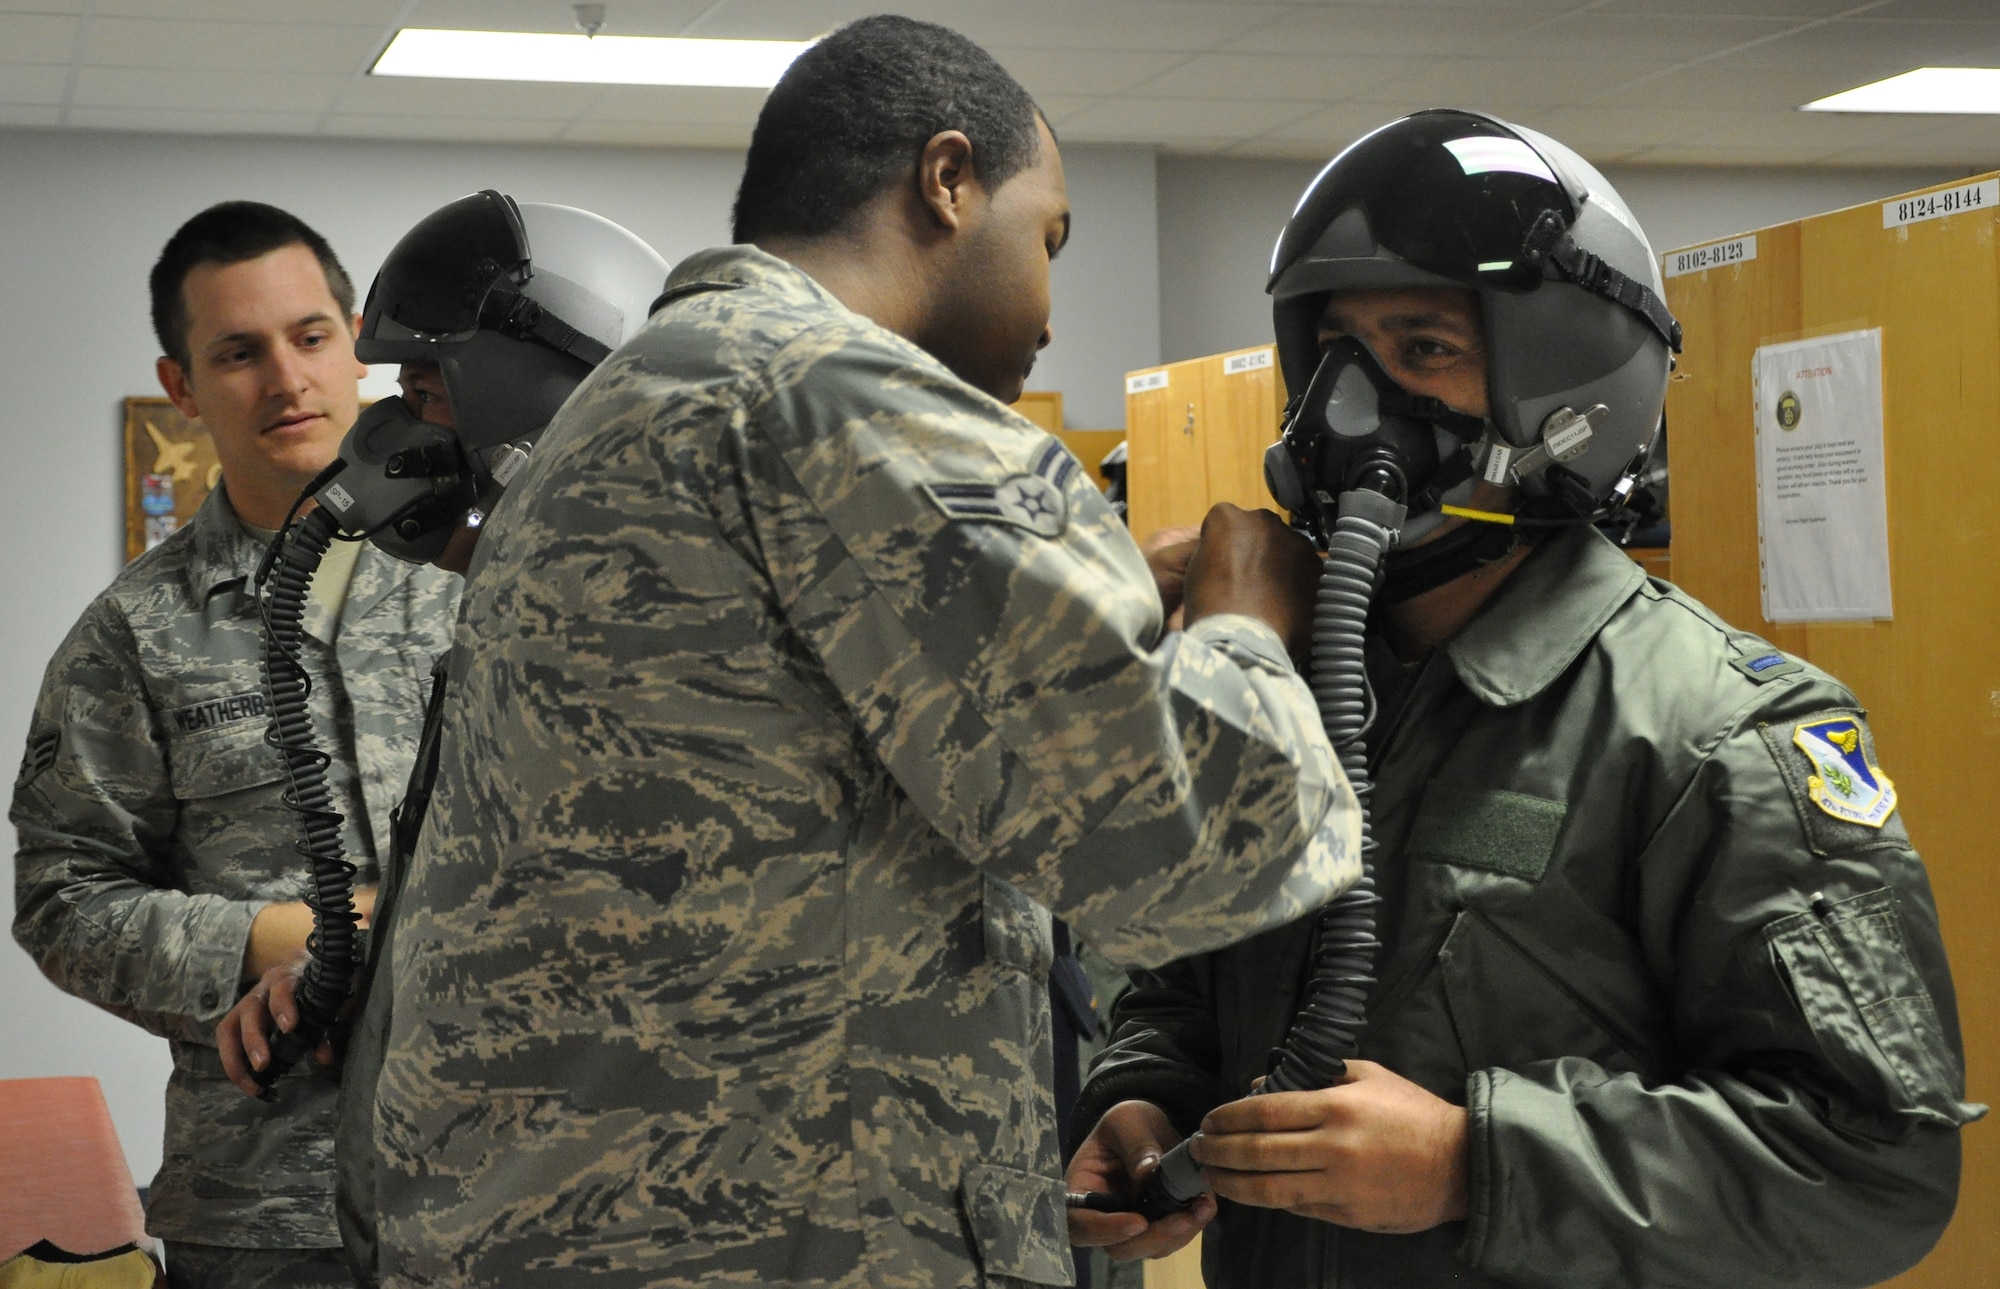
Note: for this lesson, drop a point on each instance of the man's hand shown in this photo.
(1167, 554)
(1249, 562)
(1377, 1153)
(1126, 1145)
(278, 932)
(242, 1036)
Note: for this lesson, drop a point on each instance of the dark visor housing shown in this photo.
(440, 277)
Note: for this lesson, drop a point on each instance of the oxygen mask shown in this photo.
(1356, 428)
(406, 482)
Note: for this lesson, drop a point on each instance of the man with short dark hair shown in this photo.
(798, 675)
(156, 874)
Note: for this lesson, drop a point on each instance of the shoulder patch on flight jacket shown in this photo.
(1828, 763)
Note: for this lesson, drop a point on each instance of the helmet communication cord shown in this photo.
(284, 580)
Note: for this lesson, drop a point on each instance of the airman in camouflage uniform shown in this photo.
(795, 679)
(152, 833)
(157, 867)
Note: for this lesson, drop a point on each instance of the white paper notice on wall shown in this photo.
(1822, 502)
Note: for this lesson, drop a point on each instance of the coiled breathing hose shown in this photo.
(1327, 1029)
(285, 580)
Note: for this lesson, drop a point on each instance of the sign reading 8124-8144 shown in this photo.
(1984, 196)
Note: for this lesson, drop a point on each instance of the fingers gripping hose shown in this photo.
(1327, 1029)
(285, 580)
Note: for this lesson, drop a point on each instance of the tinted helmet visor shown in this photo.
(1450, 194)
(435, 280)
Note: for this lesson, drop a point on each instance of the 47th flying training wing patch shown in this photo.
(1842, 782)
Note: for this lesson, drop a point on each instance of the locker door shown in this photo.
(1168, 471)
(1243, 396)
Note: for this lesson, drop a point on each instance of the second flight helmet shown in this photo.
(515, 303)
(1579, 341)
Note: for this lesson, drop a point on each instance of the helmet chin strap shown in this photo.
(1413, 570)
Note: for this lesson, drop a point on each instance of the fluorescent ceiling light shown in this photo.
(599, 60)
(1964, 90)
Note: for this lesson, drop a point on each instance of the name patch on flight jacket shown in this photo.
(218, 712)
(1034, 501)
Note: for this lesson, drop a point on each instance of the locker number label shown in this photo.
(1237, 364)
(1738, 250)
(1936, 205)
(1144, 381)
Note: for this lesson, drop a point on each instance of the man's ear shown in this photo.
(354, 333)
(946, 181)
(173, 379)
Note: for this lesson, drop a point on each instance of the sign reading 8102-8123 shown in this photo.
(1936, 205)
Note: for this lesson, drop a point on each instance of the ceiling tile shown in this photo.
(1084, 71)
(1603, 133)
(362, 13)
(213, 90)
(1399, 32)
(174, 121)
(670, 104)
(1333, 128)
(623, 18)
(1102, 24)
(1489, 82)
(29, 114)
(276, 47)
(1810, 133)
(42, 6)
(32, 83)
(471, 129)
(37, 37)
(1616, 37)
(658, 134)
(1796, 9)
(1305, 78)
(505, 100)
(1121, 120)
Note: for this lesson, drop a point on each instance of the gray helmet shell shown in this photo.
(1383, 214)
(447, 295)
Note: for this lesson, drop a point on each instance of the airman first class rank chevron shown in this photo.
(1034, 501)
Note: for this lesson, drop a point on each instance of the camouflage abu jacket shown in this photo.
(151, 833)
(793, 674)
(1651, 915)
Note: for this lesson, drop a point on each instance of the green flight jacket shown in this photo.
(151, 833)
(1703, 1026)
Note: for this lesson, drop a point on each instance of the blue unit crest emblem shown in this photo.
(1843, 783)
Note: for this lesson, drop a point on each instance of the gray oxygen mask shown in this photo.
(405, 483)
(1355, 427)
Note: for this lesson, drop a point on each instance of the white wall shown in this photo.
(1219, 219)
(82, 215)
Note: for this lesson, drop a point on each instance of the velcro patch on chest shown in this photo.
(217, 713)
(1034, 501)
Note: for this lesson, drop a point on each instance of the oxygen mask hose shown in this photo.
(285, 580)
(1327, 1029)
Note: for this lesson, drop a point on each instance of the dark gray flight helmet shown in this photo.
(1569, 286)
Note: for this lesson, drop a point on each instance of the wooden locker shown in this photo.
(1196, 433)
(1931, 676)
